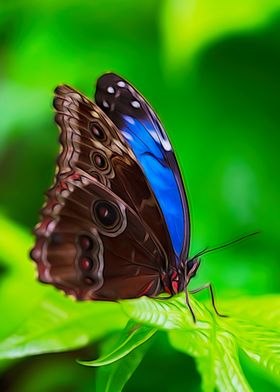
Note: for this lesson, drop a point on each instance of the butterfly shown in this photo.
(115, 224)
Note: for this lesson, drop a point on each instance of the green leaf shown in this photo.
(189, 26)
(261, 309)
(214, 341)
(59, 324)
(113, 377)
(214, 350)
(39, 318)
(133, 336)
(256, 326)
(162, 313)
(216, 357)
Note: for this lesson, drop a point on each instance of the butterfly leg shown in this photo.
(190, 307)
(209, 286)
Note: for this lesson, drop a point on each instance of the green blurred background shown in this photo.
(211, 71)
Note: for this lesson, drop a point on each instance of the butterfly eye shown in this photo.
(106, 213)
(97, 132)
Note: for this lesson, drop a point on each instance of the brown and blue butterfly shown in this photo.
(116, 221)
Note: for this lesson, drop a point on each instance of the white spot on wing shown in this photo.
(105, 104)
(110, 90)
(135, 104)
(166, 144)
(121, 83)
(154, 136)
(127, 135)
(159, 139)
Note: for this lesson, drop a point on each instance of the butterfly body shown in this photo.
(116, 221)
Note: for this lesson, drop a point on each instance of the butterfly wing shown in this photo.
(96, 239)
(142, 130)
(92, 143)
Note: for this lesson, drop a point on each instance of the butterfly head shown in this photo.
(177, 280)
(180, 278)
(191, 267)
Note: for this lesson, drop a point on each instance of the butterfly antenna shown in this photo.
(206, 250)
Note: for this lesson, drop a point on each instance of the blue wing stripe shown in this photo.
(140, 135)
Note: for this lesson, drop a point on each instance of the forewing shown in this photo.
(90, 141)
(142, 130)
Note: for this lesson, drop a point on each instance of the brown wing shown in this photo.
(92, 143)
(96, 239)
(93, 245)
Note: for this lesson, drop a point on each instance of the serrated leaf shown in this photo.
(112, 378)
(214, 341)
(166, 314)
(263, 347)
(215, 352)
(133, 336)
(256, 327)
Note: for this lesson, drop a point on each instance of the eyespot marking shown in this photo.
(85, 242)
(96, 131)
(100, 161)
(106, 213)
(86, 263)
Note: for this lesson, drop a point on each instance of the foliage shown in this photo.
(211, 71)
(46, 321)
(190, 25)
(115, 375)
(41, 319)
